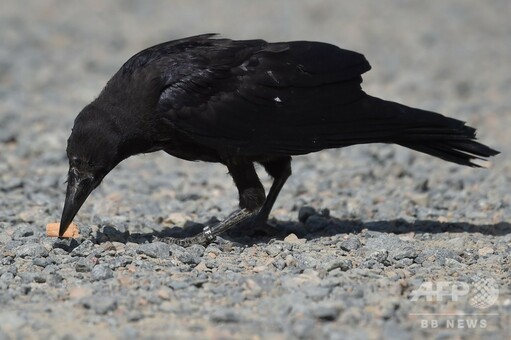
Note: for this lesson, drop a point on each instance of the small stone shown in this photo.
(307, 260)
(79, 292)
(176, 218)
(258, 269)
(350, 244)
(187, 258)
(29, 277)
(201, 267)
(343, 265)
(177, 285)
(380, 256)
(24, 232)
(420, 199)
(280, 264)
(437, 255)
(100, 304)
(317, 293)
(456, 244)
(120, 261)
(304, 328)
(7, 277)
(135, 315)
(453, 263)
(118, 246)
(83, 265)
(58, 252)
(30, 215)
(84, 249)
(292, 238)
(129, 332)
(101, 272)
(155, 250)
(485, 251)
(290, 261)
(42, 261)
(107, 247)
(196, 249)
(211, 264)
(406, 252)
(51, 269)
(164, 293)
(54, 280)
(31, 250)
(273, 249)
(403, 263)
(370, 264)
(5, 261)
(394, 330)
(326, 313)
(225, 316)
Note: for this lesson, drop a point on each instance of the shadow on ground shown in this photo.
(318, 227)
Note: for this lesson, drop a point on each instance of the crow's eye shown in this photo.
(80, 163)
(76, 161)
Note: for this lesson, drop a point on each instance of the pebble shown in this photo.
(485, 251)
(405, 252)
(303, 328)
(176, 218)
(29, 277)
(86, 248)
(191, 255)
(100, 304)
(280, 264)
(343, 265)
(31, 250)
(325, 313)
(222, 315)
(316, 293)
(155, 250)
(42, 261)
(293, 239)
(101, 272)
(380, 256)
(84, 265)
(7, 277)
(24, 232)
(436, 255)
(350, 244)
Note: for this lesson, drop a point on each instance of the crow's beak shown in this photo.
(79, 186)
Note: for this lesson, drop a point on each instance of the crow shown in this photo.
(240, 102)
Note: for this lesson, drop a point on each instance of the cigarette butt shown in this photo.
(52, 230)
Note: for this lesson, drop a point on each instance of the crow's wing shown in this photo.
(255, 98)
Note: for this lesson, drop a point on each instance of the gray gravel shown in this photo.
(363, 228)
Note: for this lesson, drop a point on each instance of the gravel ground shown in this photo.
(368, 231)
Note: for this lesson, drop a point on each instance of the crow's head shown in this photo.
(93, 149)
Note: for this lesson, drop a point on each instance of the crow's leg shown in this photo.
(280, 170)
(251, 196)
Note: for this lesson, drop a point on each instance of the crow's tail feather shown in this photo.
(443, 137)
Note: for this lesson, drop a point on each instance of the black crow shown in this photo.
(244, 102)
